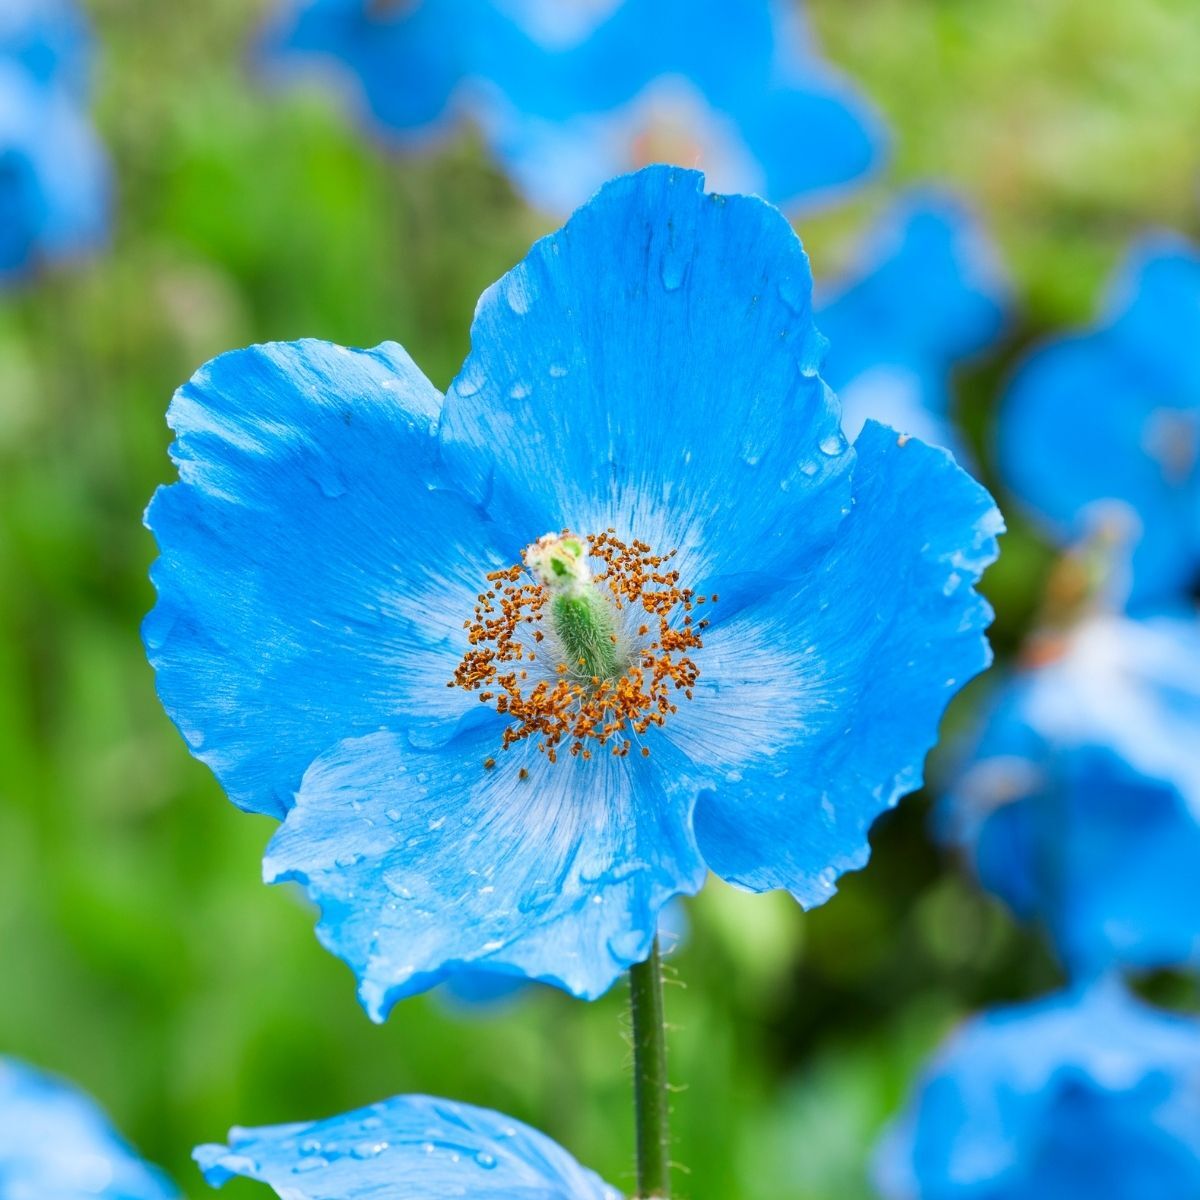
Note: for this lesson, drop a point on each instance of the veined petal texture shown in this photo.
(409, 1146)
(342, 572)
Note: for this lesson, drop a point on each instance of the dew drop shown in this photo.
(519, 391)
(485, 1160)
(557, 370)
(465, 386)
(833, 444)
(369, 1149)
(312, 1163)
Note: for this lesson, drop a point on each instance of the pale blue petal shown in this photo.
(48, 40)
(314, 577)
(427, 862)
(1083, 1095)
(54, 179)
(413, 1147)
(927, 291)
(653, 367)
(1110, 419)
(818, 704)
(1080, 803)
(56, 1144)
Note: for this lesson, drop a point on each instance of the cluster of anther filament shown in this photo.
(510, 663)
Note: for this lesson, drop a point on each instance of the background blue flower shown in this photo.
(569, 96)
(1086, 1094)
(1080, 804)
(49, 40)
(408, 1146)
(652, 368)
(1109, 418)
(53, 174)
(56, 1144)
(927, 292)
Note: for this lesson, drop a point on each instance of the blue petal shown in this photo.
(409, 1146)
(48, 40)
(1082, 1095)
(313, 581)
(425, 863)
(54, 179)
(818, 704)
(927, 292)
(55, 1144)
(405, 66)
(1111, 417)
(653, 367)
(1080, 804)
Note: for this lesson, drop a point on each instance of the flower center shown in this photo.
(582, 658)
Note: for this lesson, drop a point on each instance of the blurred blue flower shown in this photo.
(409, 1146)
(1107, 421)
(53, 174)
(341, 585)
(928, 291)
(55, 1144)
(1083, 1095)
(568, 96)
(1080, 805)
(48, 39)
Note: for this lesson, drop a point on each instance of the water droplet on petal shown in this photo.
(833, 444)
(485, 1160)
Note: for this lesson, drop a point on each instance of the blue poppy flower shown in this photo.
(1108, 420)
(1080, 805)
(568, 96)
(409, 1146)
(1085, 1094)
(55, 1144)
(928, 291)
(496, 750)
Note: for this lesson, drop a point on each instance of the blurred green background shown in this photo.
(142, 957)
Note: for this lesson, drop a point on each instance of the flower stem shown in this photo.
(650, 1093)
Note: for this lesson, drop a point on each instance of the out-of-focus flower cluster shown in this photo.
(1078, 799)
(568, 95)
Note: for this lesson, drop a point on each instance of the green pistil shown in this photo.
(587, 631)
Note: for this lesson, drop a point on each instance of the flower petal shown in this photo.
(404, 66)
(314, 576)
(1110, 419)
(1083, 1094)
(56, 1144)
(424, 862)
(413, 1147)
(817, 706)
(653, 366)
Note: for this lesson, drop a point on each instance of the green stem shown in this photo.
(650, 1091)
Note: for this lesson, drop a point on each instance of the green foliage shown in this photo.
(142, 956)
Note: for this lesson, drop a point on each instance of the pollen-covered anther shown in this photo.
(614, 637)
